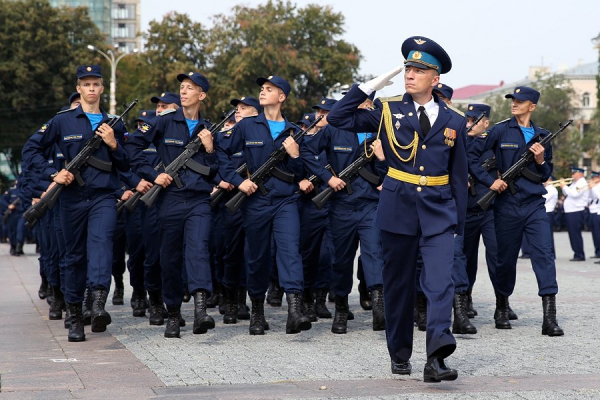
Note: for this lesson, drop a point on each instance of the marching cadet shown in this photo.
(183, 213)
(351, 215)
(522, 213)
(234, 238)
(166, 101)
(88, 212)
(576, 200)
(271, 217)
(12, 220)
(551, 198)
(423, 200)
(444, 92)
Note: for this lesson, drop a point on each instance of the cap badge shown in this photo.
(306, 117)
(270, 77)
(471, 108)
(441, 85)
(89, 69)
(517, 91)
(162, 95)
(243, 98)
(144, 113)
(420, 41)
(191, 73)
(416, 55)
(322, 101)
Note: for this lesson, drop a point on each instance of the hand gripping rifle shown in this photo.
(519, 168)
(356, 168)
(184, 160)
(8, 211)
(472, 189)
(218, 194)
(316, 181)
(131, 203)
(85, 156)
(268, 168)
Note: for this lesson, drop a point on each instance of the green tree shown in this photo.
(40, 48)
(302, 45)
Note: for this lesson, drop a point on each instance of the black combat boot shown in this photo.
(186, 295)
(49, 294)
(202, 321)
(13, 249)
(365, 297)
(68, 318)
(321, 303)
(378, 311)
(511, 314)
(76, 332)
(340, 321)
(471, 312)
(56, 307)
(87, 307)
(296, 321)
(231, 305)
(550, 326)
(119, 291)
(215, 297)
(421, 311)
(501, 313)
(258, 323)
(172, 329)
(138, 302)
(43, 290)
(274, 294)
(308, 305)
(19, 250)
(243, 312)
(100, 317)
(156, 308)
(461, 321)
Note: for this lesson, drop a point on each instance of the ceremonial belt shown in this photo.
(420, 180)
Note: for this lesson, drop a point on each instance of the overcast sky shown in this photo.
(488, 41)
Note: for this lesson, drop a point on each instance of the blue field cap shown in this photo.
(523, 93)
(325, 104)
(475, 110)
(277, 81)
(307, 119)
(424, 53)
(247, 100)
(89, 70)
(168, 98)
(146, 115)
(444, 90)
(73, 97)
(197, 78)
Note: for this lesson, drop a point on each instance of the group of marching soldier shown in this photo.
(257, 205)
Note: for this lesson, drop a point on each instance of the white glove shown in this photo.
(380, 82)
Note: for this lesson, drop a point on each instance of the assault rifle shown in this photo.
(83, 158)
(184, 160)
(316, 181)
(131, 203)
(8, 211)
(218, 194)
(488, 164)
(348, 174)
(268, 168)
(519, 168)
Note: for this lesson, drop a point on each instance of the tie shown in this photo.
(424, 121)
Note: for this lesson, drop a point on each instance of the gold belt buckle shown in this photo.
(423, 180)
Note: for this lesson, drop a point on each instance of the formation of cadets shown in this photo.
(412, 206)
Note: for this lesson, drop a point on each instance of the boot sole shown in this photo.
(173, 336)
(465, 332)
(157, 323)
(55, 317)
(257, 333)
(100, 323)
(503, 326)
(77, 339)
(430, 379)
(230, 321)
(139, 313)
(546, 333)
(203, 327)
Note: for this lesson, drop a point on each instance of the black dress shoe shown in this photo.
(577, 259)
(437, 371)
(401, 368)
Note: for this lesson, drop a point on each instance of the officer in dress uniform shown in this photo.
(521, 213)
(183, 212)
(576, 200)
(423, 200)
(551, 197)
(272, 217)
(88, 212)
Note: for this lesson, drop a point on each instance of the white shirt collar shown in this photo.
(432, 109)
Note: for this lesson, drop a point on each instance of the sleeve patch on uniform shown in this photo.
(238, 154)
(144, 128)
(228, 133)
(43, 129)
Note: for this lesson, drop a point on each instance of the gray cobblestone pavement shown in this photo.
(229, 363)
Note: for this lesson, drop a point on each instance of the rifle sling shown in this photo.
(281, 175)
(197, 167)
(532, 176)
(368, 176)
(97, 163)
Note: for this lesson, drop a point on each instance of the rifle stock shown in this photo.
(321, 198)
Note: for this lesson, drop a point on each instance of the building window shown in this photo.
(585, 100)
(123, 11)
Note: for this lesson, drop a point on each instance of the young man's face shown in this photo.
(320, 112)
(162, 106)
(90, 88)
(190, 93)
(243, 110)
(419, 81)
(75, 103)
(479, 128)
(522, 107)
(270, 95)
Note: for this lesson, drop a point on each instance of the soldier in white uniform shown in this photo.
(551, 199)
(577, 194)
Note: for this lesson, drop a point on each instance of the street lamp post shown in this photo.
(113, 73)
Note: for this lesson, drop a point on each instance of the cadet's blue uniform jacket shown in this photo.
(70, 130)
(406, 208)
(480, 187)
(170, 134)
(341, 149)
(252, 136)
(507, 142)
